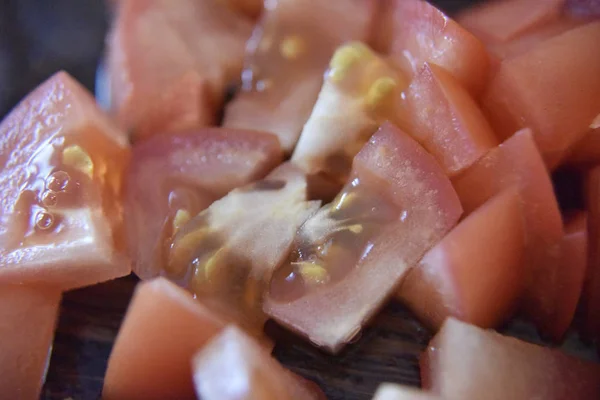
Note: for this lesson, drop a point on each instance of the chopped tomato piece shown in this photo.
(587, 150)
(170, 61)
(361, 91)
(422, 33)
(232, 356)
(559, 111)
(151, 356)
(61, 166)
(476, 272)
(445, 119)
(517, 162)
(466, 362)
(591, 292)
(287, 57)
(350, 256)
(390, 391)
(28, 316)
(174, 177)
(230, 250)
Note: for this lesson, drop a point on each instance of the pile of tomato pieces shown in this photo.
(422, 173)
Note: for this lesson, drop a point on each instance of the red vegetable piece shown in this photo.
(587, 150)
(174, 177)
(559, 111)
(151, 356)
(466, 362)
(351, 255)
(446, 120)
(517, 162)
(476, 272)
(287, 56)
(591, 292)
(28, 317)
(422, 33)
(232, 356)
(61, 163)
(390, 391)
(169, 62)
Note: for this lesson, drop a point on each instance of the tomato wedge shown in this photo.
(233, 356)
(287, 57)
(391, 391)
(28, 316)
(61, 165)
(559, 111)
(173, 177)
(445, 119)
(350, 256)
(466, 362)
(517, 162)
(422, 33)
(476, 272)
(170, 61)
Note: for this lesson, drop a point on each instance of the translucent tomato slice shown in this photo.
(422, 33)
(61, 166)
(517, 162)
(287, 57)
(476, 272)
(350, 256)
(466, 362)
(173, 177)
(28, 316)
(169, 62)
(559, 112)
(233, 356)
(445, 119)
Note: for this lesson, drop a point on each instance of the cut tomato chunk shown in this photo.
(466, 362)
(287, 57)
(587, 150)
(163, 328)
(517, 162)
(174, 177)
(61, 165)
(169, 62)
(591, 294)
(422, 33)
(390, 391)
(350, 256)
(446, 120)
(476, 272)
(559, 111)
(232, 356)
(28, 316)
(361, 91)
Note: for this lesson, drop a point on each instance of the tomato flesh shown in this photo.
(559, 111)
(476, 272)
(349, 257)
(169, 63)
(61, 164)
(173, 177)
(587, 150)
(466, 362)
(28, 316)
(232, 356)
(287, 57)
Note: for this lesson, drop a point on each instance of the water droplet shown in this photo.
(49, 198)
(58, 181)
(44, 220)
(403, 215)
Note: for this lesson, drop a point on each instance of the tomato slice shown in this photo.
(233, 356)
(517, 162)
(169, 63)
(361, 91)
(476, 272)
(349, 257)
(591, 292)
(422, 33)
(28, 316)
(559, 111)
(173, 177)
(445, 119)
(287, 57)
(391, 391)
(150, 359)
(229, 251)
(466, 362)
(61, 163)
